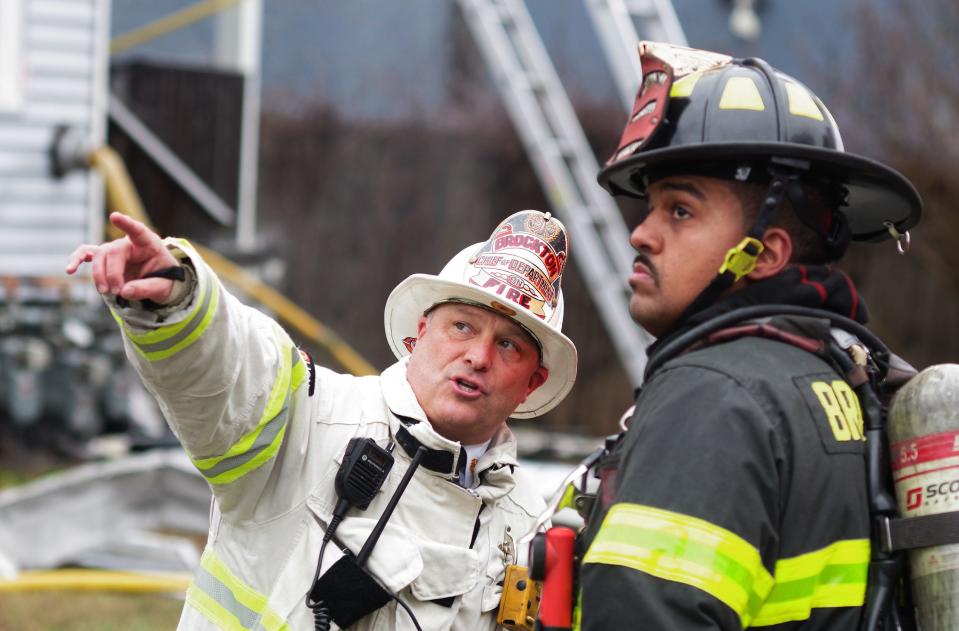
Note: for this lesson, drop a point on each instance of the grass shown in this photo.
(14, 478)
(87, 611)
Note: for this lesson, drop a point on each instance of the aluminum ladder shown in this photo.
(562, 158)
(617, 22)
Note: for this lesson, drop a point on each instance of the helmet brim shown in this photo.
(878, 195)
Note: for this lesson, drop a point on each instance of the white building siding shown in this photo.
(59, 78)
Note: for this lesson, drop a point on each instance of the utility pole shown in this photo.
(238, 45)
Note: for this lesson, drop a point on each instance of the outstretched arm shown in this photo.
(224, 374)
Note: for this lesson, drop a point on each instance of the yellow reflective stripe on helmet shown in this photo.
(683, 87)
(834, 576)
(741, 93)
(801, 102)
(684, 549)
(165, 341)
(264, 440)
(228, 602)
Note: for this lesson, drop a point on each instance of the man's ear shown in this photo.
(777, 251)
(538, 378)
(421, 326)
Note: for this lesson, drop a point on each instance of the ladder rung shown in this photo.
(641, 8)
(565, 148)
(530, 81)
(597, 220)
(506, 15)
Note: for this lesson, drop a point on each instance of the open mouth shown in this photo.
(467, 386)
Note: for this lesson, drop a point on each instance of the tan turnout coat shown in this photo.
(235, 390)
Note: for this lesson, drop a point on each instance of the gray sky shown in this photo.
(386, 58)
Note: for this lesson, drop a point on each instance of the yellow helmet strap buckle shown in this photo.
(741, 259)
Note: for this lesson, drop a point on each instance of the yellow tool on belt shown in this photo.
(519, 603)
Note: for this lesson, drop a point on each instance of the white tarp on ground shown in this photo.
(120, 514)
(109, 514)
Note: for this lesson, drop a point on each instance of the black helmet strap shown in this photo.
(836, 234)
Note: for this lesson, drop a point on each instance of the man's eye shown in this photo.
(509, 345)
(461, 326)
(680, 212)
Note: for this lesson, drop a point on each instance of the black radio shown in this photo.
(364, 469)
(346, 593)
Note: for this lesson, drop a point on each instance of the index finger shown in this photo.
(138, 233)
(83, 254)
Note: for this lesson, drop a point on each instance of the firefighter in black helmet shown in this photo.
(738, 497)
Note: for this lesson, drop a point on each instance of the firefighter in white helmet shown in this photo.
(738, 496)
(476, 344)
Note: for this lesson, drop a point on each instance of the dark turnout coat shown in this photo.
(737, 497)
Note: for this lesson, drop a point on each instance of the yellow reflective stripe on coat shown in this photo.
(228, 602)
(687, 550)
(165, 341)
(299, 370)
(834, 576)
(261, 443)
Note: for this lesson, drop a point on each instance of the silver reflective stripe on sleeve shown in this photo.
(194, 323)
(228, 602)
(262, 443)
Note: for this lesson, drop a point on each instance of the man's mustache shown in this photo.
(642, 258)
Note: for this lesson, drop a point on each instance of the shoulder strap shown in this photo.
(696, 336)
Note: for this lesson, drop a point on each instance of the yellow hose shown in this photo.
(121, 194)
(169, 23)
(105, 580)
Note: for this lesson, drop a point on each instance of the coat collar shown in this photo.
(495, 467)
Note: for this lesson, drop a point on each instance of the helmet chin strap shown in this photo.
(741, 259)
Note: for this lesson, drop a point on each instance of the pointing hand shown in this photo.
(120, 267)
